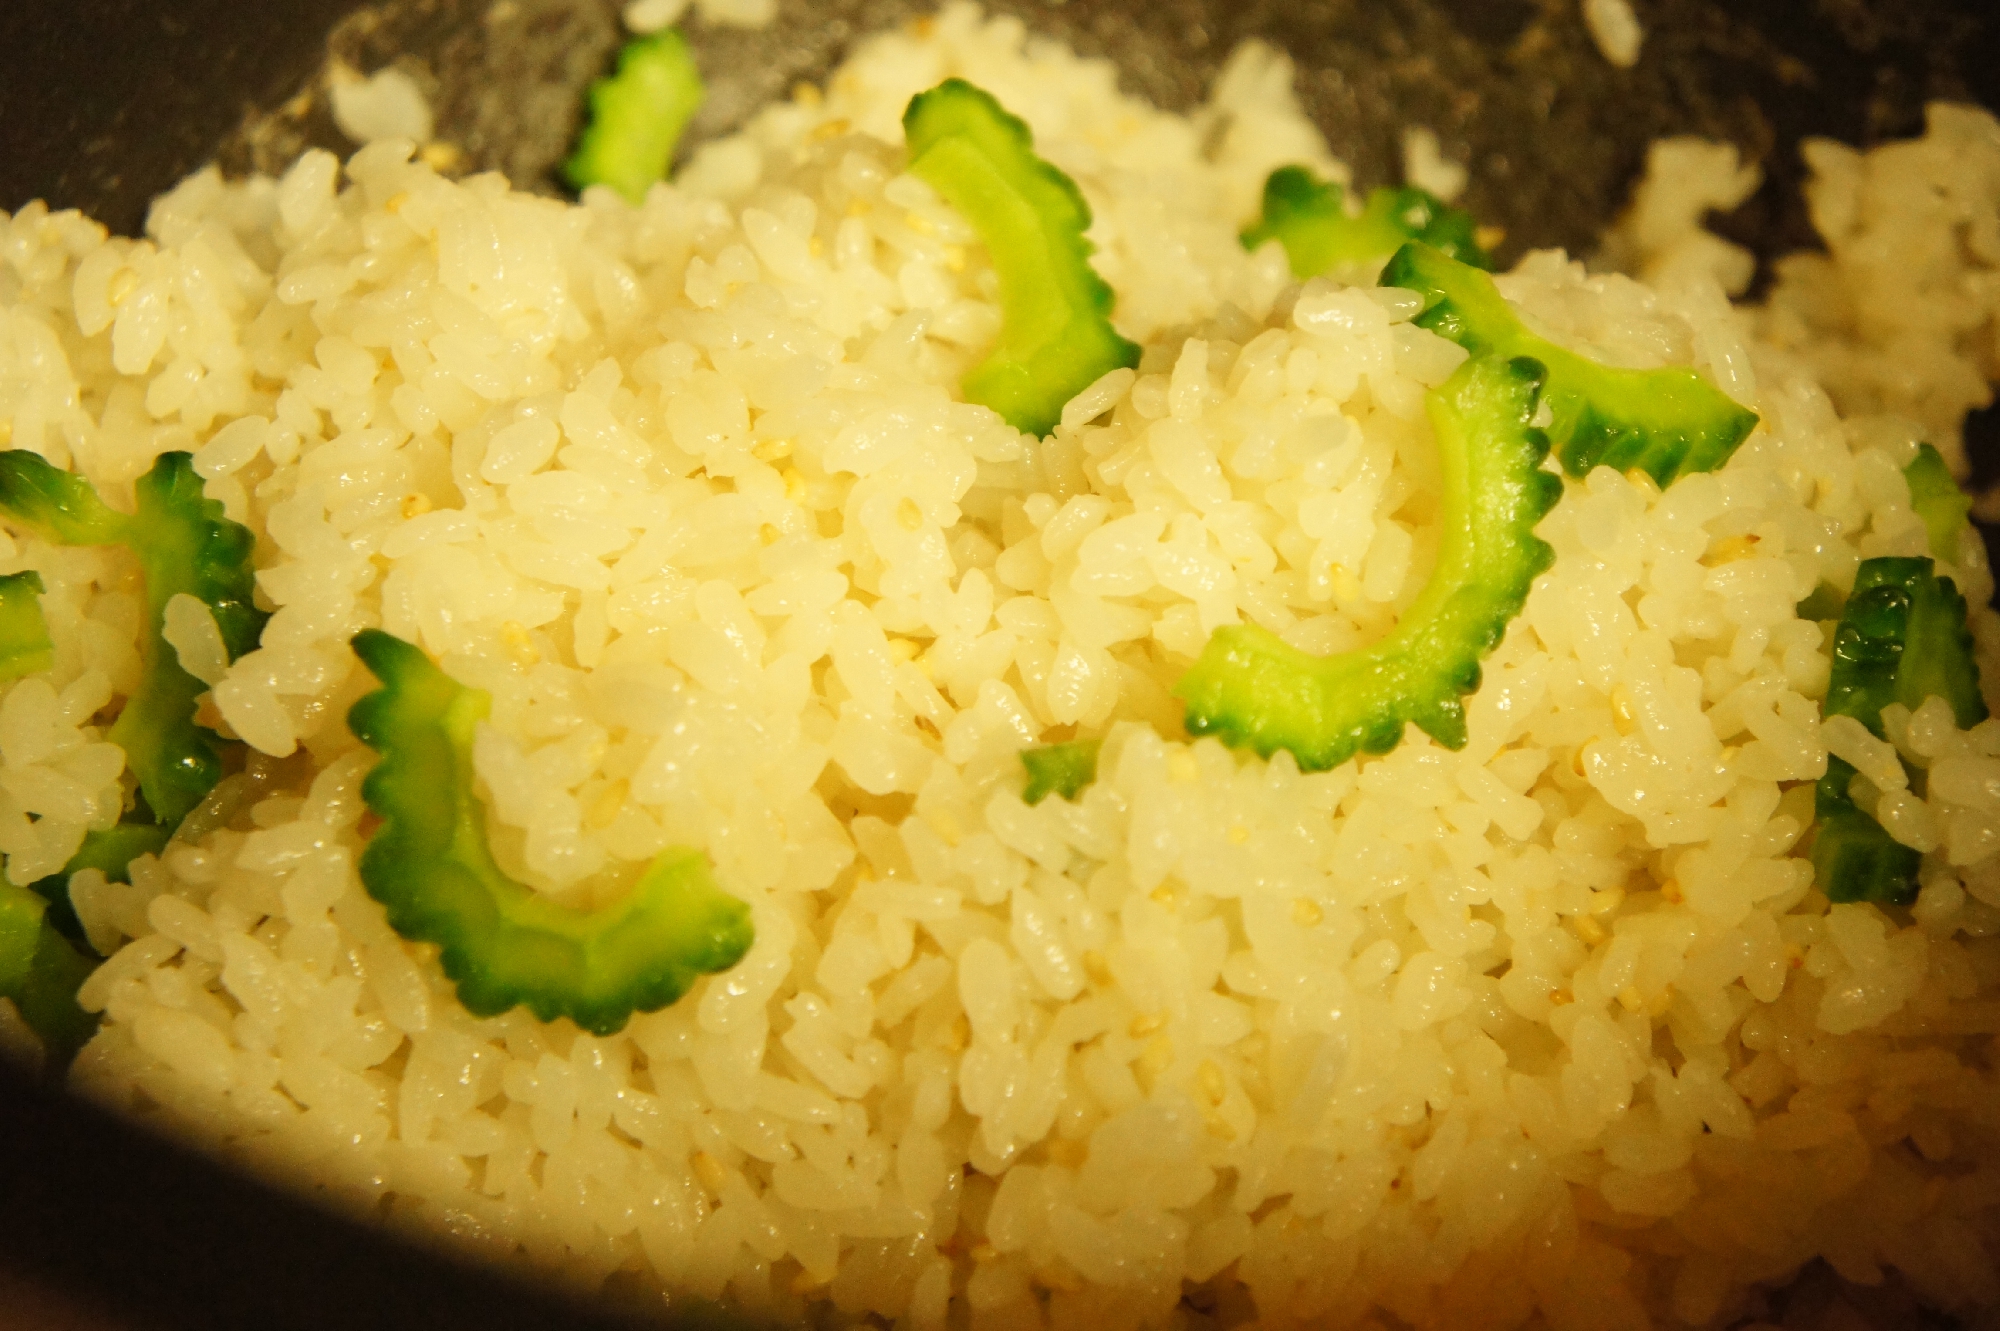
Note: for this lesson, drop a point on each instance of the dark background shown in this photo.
(104, 1228)
(105, 103)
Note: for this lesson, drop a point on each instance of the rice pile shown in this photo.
(1549, 1031)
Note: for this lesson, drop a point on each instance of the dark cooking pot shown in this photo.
(104, 103)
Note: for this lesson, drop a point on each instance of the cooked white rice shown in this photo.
(1616, 30)
(1549, 1031)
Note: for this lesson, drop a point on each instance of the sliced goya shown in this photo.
(1056, 336)
(636, 116)
(1309, 217)
(1853, 857)
(1255, 690)
(40, 973)
(184, 544)
(503, 943)
(1903, 638)
(1060, 769)
(1665, 422)
(25, 645)
(1938, 501)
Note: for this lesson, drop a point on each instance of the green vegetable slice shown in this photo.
(1309, 217)
(1056, 336)
(1665, 422)
(636, 116)
(1060, 769)
(1938, 501)
(1255, 690)
(40, 972)
(184, 544)
(1902, 638)
(504, 944)
(25, 645)
(1853, 858)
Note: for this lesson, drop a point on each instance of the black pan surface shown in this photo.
(104, 103)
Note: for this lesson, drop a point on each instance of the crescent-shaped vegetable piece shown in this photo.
(504, 944)
(1056, 337)
(1665, 422)
(185, 545)
(1257, 691)
(636, 117)
(1903, 638)
(1309, 217)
